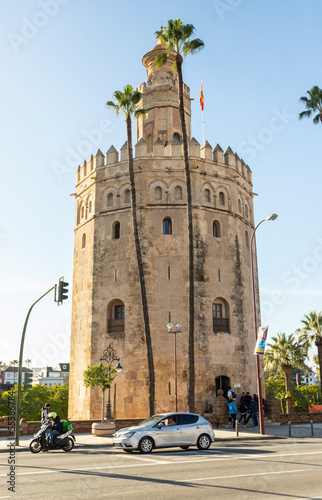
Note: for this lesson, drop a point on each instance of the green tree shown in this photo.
(283, 354)
(277, 383)
(176, 40)
(126, 102)
(313, 104)
(33, 399)
(311, 332)
(28, 361)
(100, 376)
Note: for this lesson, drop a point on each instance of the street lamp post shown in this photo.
(109, 355)
(258, 368)
(171, 330)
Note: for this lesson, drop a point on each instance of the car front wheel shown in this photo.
(203, 442)
(146, 445)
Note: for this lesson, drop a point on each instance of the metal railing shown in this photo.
(115, 325)
(220, 324)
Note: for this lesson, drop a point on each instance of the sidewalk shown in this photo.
(87, 440)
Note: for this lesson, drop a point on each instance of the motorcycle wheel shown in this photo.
(69, 446)
(35, 446)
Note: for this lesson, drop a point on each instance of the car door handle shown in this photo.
(198, 427)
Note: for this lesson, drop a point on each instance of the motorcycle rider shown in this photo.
(54, 429)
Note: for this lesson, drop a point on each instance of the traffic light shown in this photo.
(62, 291)
(28, 380)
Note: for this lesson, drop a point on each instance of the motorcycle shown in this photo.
(64, 441)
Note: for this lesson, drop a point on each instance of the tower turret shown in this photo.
(160, 99)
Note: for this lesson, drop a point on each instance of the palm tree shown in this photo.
(311, 333)
(126, 103)
(175, 39)
(28, 361)
(313, 104)
(14, 363)
(284, 354)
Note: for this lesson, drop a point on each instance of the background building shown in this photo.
(106, 295)
(51, 376)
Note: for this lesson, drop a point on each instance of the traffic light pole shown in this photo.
(18, 400)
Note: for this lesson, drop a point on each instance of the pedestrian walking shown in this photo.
(243, 408)
(232, 410)
(253, 412)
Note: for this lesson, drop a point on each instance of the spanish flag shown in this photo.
(201, 98)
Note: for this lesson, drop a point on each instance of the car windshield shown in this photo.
(150, 420)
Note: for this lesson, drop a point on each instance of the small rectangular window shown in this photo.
(218, 274)
(115, 275)
(169, 388)
(169, 272)
(169, 316)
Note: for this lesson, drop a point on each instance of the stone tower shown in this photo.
(106, 294)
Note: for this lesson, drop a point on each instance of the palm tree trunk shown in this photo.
(318, 344)
(141, 270)
(191, 387)
(288, 387)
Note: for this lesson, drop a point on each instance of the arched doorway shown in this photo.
(223, 383)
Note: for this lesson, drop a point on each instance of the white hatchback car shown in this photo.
(166, 430)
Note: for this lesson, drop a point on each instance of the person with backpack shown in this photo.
(232, 410)
(231, 394)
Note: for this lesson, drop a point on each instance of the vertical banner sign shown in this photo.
(261, 339)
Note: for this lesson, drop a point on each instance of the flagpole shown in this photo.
(203, 117)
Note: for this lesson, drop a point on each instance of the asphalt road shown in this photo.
(286, 469)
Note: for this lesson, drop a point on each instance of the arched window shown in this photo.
(246, 239)
(110, 199)
(90, 206)
(239, 206)
(84, 240)
(83, 211)
(116, 230)
(221, 198)
(246, 211)
(176, 136)
(127, 196)
(220, 315)
(207, 195)
(115, 316)
(158, 193)
(178, 193)
(167, 226)
(216, 230)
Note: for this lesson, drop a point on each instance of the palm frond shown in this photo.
(140, 112)
(160, 60)
(316, 119)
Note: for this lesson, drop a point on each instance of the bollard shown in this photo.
(312, 430)
(236, 425)
(289, 429)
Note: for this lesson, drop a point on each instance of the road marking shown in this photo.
(241, 475)
(160, 462)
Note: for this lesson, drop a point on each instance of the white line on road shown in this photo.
(241, 475)
(160, 462)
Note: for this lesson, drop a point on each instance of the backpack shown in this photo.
(233, 394)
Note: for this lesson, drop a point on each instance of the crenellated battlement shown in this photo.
(174, 149)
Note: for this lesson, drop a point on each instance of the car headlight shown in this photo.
(128, 434)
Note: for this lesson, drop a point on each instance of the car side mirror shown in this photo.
(161, 424)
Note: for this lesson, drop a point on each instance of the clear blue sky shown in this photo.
(62, 60)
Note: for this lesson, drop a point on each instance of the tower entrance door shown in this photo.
(223, 383)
